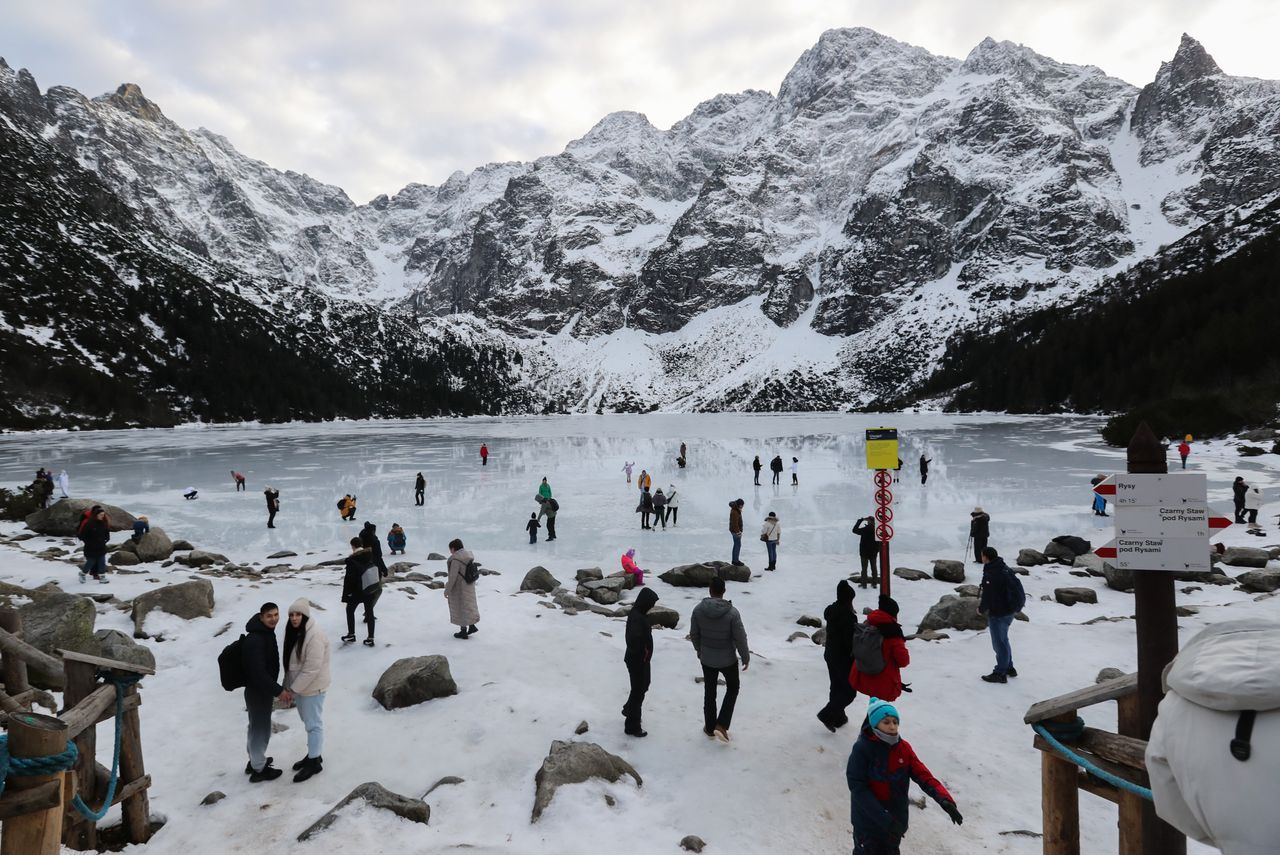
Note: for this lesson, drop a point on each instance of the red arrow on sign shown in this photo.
(1105, 487)
(1107, 550)
(1220, 522)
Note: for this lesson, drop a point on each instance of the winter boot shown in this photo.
(995, 677)
(268, 773)
(248, 767)
(310, 766)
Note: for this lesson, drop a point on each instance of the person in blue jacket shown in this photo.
(880, 770)
(396, 539)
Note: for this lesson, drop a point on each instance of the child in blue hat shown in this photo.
(881, 769)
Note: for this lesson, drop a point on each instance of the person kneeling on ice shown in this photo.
(190, 493)
(880, 771)
(396, 539)
(630, 566)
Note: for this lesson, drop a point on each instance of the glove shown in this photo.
(906, 687)
(953, 812)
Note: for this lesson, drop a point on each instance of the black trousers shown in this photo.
(776, 477)
(420, 497)
(725, 717)
(551, 528)
(979, 544)
(757, 477)
(368, 599)
(638, 673)
(271, 517)
(660, 515)
(672, 513)
(840, 695)
(644, 519)
(871, 560)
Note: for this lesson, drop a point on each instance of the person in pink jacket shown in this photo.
(629, 566)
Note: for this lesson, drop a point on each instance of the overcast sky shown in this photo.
(375, 94)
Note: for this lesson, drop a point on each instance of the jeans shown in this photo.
(639, 674)
(310, 710)
(772, 547)
(258, 705)
(737, 546)
(999, 627)
(709, 676)
(95, 566)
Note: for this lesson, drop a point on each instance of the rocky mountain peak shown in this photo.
(129, 98)
(1191, 62)
(618, 129)
(1001, 58)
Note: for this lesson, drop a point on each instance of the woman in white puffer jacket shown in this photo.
(306, 674)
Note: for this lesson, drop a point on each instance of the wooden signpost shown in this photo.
(882, 455)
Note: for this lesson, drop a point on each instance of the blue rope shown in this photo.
(78, 803)
(1127, 786)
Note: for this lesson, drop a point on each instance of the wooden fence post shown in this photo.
(1060, 800)
(40, 832)
(137, 808)
(81, 680)
(14, 668)
(1129, 724)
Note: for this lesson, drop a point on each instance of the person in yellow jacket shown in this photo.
(347, 507)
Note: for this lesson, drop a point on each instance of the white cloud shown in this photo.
(375, 95)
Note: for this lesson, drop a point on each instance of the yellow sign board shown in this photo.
(882, 448)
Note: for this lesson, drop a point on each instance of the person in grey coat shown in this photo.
(718, 637)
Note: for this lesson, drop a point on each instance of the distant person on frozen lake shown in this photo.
(756, 466)
(979, 531)
(420, 490)
(924, 469)
(460, 590)
(645, 508)
(239, 479)
(639, 652)
(775, 466)
(549, 509)
(532, 527)
(190, 493)
(272, 495)
(64, 484)
(660, 508)
(795, 472)
(627, 467)
(484, 454)
(544, 489)
(673, 503)
(644, 482)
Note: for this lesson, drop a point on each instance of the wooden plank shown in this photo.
(1130, 823)
(107, 664)
(13, 668)
(11, 645)
(137, 808)
(1107, 691)
(1133, 776)
(109, 714)
(1059, 802)
(38, 832)
(1124, 750)
(88, 709)
(1099, 788)
(82, 690)
(19, 802)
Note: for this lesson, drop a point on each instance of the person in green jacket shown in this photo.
(544, 489)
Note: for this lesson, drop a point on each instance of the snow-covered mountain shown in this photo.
(810, 250)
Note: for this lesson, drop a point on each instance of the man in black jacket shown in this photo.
(369, 537)
(273, 505)
(420, 490)
(775, 466)
(979, 531)
(96, 533)
(841, 620)
(995, 604)
(260, 657)
(639, 652)
(868, 550)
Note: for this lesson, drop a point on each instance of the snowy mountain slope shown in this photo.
(815, 249)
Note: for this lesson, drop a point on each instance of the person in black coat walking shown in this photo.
(361, 585)
(260, 659)
(838, 653)
(420, 490)
(996, 602)
(775, 466)
(369, 539)
(639, 653)
(273, 505)
(756, 466)
(1239, 489)
(979, 531)
(924, 469)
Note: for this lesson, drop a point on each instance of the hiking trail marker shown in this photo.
(882, 455)
(1162, 522)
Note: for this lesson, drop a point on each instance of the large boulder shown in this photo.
(1060, 553)
(1031, 558)
(589, 574)
(204, 558)
(155, 545)
(1117, 579)
(539, 579)
(1071, 596)
(62, 518)
(700, 575)
(1246, 556)
(953, 612)
(120, 647)
(414, 680)
(53, 622)
(909, 574)
(187, 600)
(378, 796)
(1260, 581)
(664, 617)
(608, 590)
(1090, 563)
(123, 558)
(574, 763)
(946, 570)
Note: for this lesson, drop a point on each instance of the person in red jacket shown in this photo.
(484, 454)
(887, 684)
(1184, 450)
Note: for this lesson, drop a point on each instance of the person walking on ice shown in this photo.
(880, 770)
(306, 677)
(924, 469)
(460, 590)
(419, 490)
(1184, 451)
(795, 472)
(756, 466)
(361, 586)
(719, 639)
(673, 504)
(272, 496)
(1002, 597)
(775, 466)
(484, 454)
(627, 467)
(532, 527)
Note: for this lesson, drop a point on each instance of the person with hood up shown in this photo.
(64, 484)
(95, 532)
(719, 638)
(841, 620)
(630, 567)
(771, 533)
(260, 662)
(484, 454)
(924, 469)
(419, 490)
(272, 496)
(881, 767)
(756, 466)
(735, 529)
(660, 508)
(775, 466)
(673, 504)
(881, 626)
(369, 537)
(464, 612)
(306, 677)
(361, 586)
(396, 539)
(868, 550)
(979, 531)
(645, 508)
(141, 526)
(639, 653)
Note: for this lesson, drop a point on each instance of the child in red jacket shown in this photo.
(880, 770)
(885, 684)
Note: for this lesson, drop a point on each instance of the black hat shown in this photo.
(888, 604)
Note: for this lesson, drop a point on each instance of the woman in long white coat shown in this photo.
(464, 612)
(306, 675)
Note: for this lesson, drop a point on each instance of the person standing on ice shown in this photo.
(879, 653)
(645, 509)
(1099, 503)
(673, 504)
(644, 482)
(880, 770)
(631, 568)
(361, 586)
(771, 533)
(735, 529)
(639, 652)
(719, 638)
(464, 612)
(1001, 599)
(420, 490)
(1184, 451)
(1239, 489)
(273, 505)
(95, 532)
(756, 466)
(795, 472)
(306, 677)
(841, 620)
(979, 531)
(660, 508)
(775, 466)
(868, 550)
(239, 479)
(532, 527)
(484, 454)
(924, 468)
(260, 661)
(64, 484)
(544, 489)
(684, 451)
(627, 467)
(369, 537)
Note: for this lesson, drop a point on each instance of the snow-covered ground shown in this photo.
(533, 673)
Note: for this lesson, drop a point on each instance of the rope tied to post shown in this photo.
(1055, 732)
(52, 764)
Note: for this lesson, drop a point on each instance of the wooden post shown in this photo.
(14, 668)
(38, 833)
(81, 681)
(1157, 627)
(1060, 800)
(137, 808)
(1130, 805)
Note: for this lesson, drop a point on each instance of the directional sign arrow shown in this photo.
(1159, 490)
(1106, 487)
(1107, 550)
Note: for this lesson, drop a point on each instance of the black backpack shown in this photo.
(553, 504)
(471, 572)
(231, 665)
(1014, 590)
(868, 649)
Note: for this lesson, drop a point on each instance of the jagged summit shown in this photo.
(1191, 62)
(129, 97)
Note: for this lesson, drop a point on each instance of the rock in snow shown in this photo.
(414, 680)
(573, 763)
(378, 796)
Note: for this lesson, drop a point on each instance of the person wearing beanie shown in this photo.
(140, 527)
(306, 676)
(639, 652)
(771, 533)
(841, 620)
(880, 677)
(735, 529)
(881, 767)
(630, 567)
